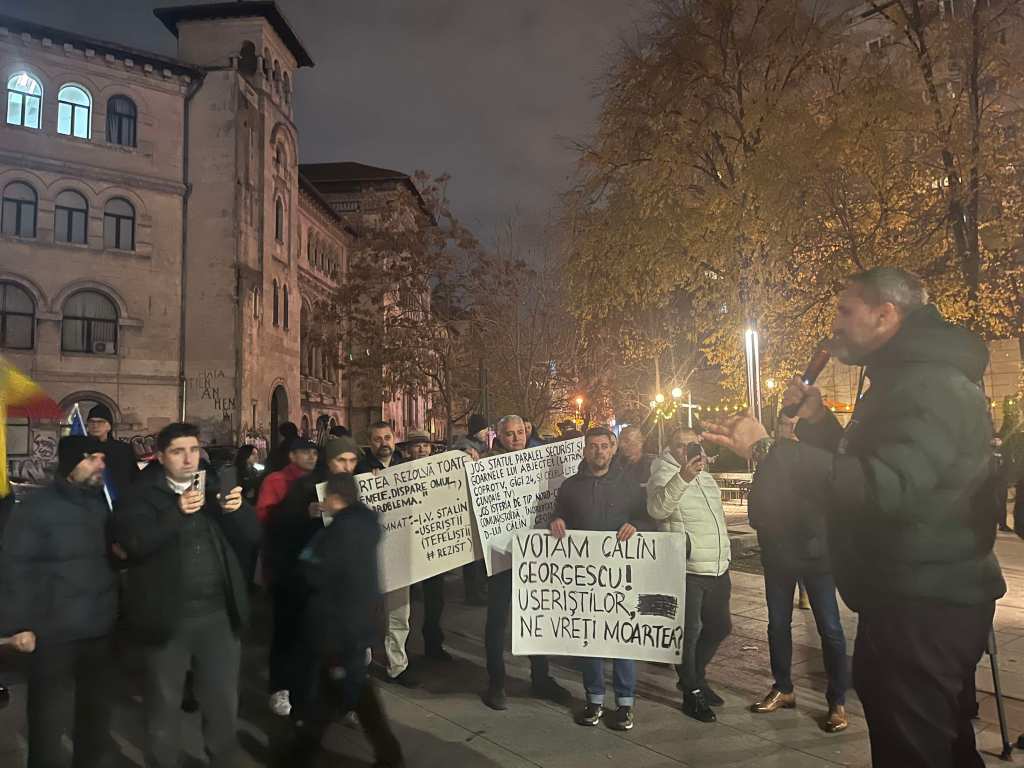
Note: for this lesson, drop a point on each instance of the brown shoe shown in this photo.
(837, 720)
(775, 699)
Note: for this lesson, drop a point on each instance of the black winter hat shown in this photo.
(72, 449)
(101, 412)
(476, 423)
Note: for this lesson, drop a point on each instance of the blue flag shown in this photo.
(77, 425)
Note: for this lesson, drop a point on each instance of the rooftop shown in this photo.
(60, 37)
(172, 16)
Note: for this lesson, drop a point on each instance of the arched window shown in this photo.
(122, 118)
(24, 100)
(17, 317)
(279, 220)
(89, 324)
(70, 217)
(279, 158)
(285, 308)
(276, 315)
(74, 111)
(257, 297)
(309, 247)
(119, 225)
(19, 210)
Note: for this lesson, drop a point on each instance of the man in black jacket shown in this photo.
(600, 499)
(122, 466)
(59, 582)
(910, 551)
(793, 546)
(186, 598)
(288, 529)
(339, 566)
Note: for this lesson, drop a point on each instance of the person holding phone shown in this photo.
(186, 600)
(683, 497)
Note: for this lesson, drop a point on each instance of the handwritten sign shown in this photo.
(424, 509)
(515, 491)
(588, 594)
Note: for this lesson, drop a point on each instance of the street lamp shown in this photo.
(579, 409)
(752, 348)
(676, 393)
(659, 398)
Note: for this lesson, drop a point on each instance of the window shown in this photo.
(24, 100)
(121, 121)
(17, 317)
(70, 217)
(279, 220)
(74, 109)
(19, 210)
(17, 436)
(89, 324)
(119, 225)
(285, 308)
(277, 305)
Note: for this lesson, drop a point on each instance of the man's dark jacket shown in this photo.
(900, 483)
(148, 524)
(590, 503)
(57, 574)
(289, 527)
(122, 466)
(369, 462)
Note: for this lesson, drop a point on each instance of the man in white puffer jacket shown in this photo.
(684, 498)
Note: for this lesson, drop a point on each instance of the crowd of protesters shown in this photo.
(171, 557)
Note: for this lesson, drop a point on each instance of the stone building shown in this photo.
(159, 250)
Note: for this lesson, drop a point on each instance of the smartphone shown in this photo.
(198, 481)
(693, 451)
(228, 477)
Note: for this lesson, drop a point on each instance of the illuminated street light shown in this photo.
(579, 402)
(769, 383)
(677, 393)
(659, 398)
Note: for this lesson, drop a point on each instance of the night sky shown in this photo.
(491, 91)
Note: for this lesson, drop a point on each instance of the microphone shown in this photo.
(811, 374)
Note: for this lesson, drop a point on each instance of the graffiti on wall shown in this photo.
(212, 387)
(40, 464)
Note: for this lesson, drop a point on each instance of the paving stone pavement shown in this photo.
(444, 723)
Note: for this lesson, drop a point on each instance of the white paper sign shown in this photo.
(588, 594)
(424, 509)
(515, 491)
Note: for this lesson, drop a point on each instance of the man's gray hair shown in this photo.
(506, 420)
(891, 285)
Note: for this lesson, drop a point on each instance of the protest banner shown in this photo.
(425, 516)
(514, 491)
(588, 594)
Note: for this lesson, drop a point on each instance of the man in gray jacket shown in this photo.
(685, 499)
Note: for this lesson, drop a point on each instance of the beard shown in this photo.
(845, 351)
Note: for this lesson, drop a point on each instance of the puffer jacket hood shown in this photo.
(926, 337)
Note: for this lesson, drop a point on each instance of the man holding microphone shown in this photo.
(910, 552)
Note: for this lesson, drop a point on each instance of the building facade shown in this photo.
(160, 252)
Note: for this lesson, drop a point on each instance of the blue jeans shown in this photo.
(821, 592)
(623, 680)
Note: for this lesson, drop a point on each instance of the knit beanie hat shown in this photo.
(336, 446)
(101, 412)
(72, 449)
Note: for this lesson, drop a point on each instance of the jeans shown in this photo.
(707, 624)
(499, 603)
(821, 592)
(910, 663)
(209, 645)
(623, 680)
(80, 669)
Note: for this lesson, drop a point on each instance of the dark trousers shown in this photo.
(81, 671)
(499, 603)
(821, 592)
(288, 607)
(474, 579)
(909, 666)
(209, 645)
(368, 709)
(433, 607)
(707, 624)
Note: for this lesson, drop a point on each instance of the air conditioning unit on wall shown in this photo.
(103, 348)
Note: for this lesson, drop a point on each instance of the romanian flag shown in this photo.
(20, 397)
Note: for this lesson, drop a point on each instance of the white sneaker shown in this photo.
(280, 703)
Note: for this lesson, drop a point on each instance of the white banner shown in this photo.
(588, 594)
(424, 509)
(514, 491)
